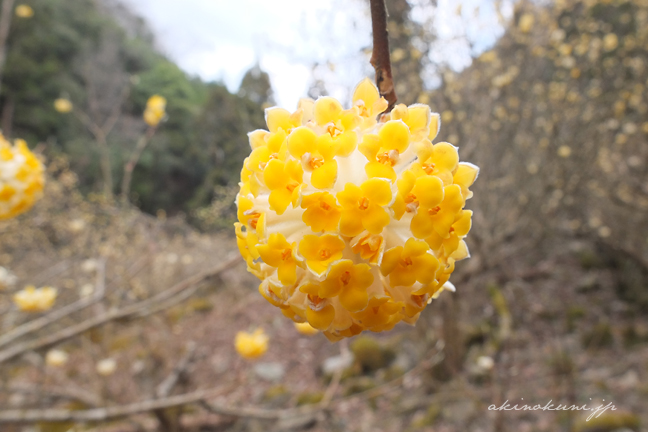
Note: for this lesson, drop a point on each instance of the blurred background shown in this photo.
(548, 98)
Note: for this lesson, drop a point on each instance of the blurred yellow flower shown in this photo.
(24, 11)
(251, 345)
(63, 106)
(526, 23)
(56, 358)
(21, 178)
(610, 41)
(306, 329)
(352, 219)
(155, 110)
(33, 299)
(564, 151)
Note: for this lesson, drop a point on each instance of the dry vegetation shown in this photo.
(555, 293)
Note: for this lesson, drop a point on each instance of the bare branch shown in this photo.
(380, 55)
(132, 163)
(165, 387)
(128, 311)
(67, 392)
(105, 413)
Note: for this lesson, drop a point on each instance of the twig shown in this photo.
(337, 376)
(165, 387)
(67, 392)
(128, 311)
(132, 163)
(37, 324)
(380, 55)
(105, 413)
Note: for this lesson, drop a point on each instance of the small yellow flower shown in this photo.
(24, 11)
(21, 178)
(363, 207)
(155, 110)
(353, 219)
(306, 329)
(251, 345)
(319, 252)
(279, 253)
(322, 211)
(32, 299)
(63, 106)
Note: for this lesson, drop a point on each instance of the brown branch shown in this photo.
(105, 413)
(37, 324)
(127, 312)
(67, 392)
(165, 387)
(132, 163)
(380, 55)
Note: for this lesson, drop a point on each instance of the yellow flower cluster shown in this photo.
(155, 110)
(352, 223)
(251, 345)
(33, 299)
(21, 178)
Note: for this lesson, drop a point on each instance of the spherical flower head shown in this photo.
(21, 178)
(353, 219)
(32, 299)
(155, 110)
(63, 106)
(251, 345)
(56, 358)
(24, 11)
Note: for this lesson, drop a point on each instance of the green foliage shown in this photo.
(74, 49)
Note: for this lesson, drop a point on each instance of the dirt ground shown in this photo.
(554, 330)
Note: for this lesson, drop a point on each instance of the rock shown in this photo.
(269, 371)
(336, 363)
(370, 354)
(609, 422)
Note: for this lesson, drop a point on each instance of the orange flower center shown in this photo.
(325, 206)
(420, 300)
(406, 262)
(411, 203)
(324, 254)
(334, 131)
(254, 217)
(363, 203)
(316, 303)
(316, 162)
(388, 158)
(287, 253)
(434, 211)
(292, 185)
(428, 168)
(345, 278)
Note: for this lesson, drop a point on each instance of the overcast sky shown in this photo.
(221, 39)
